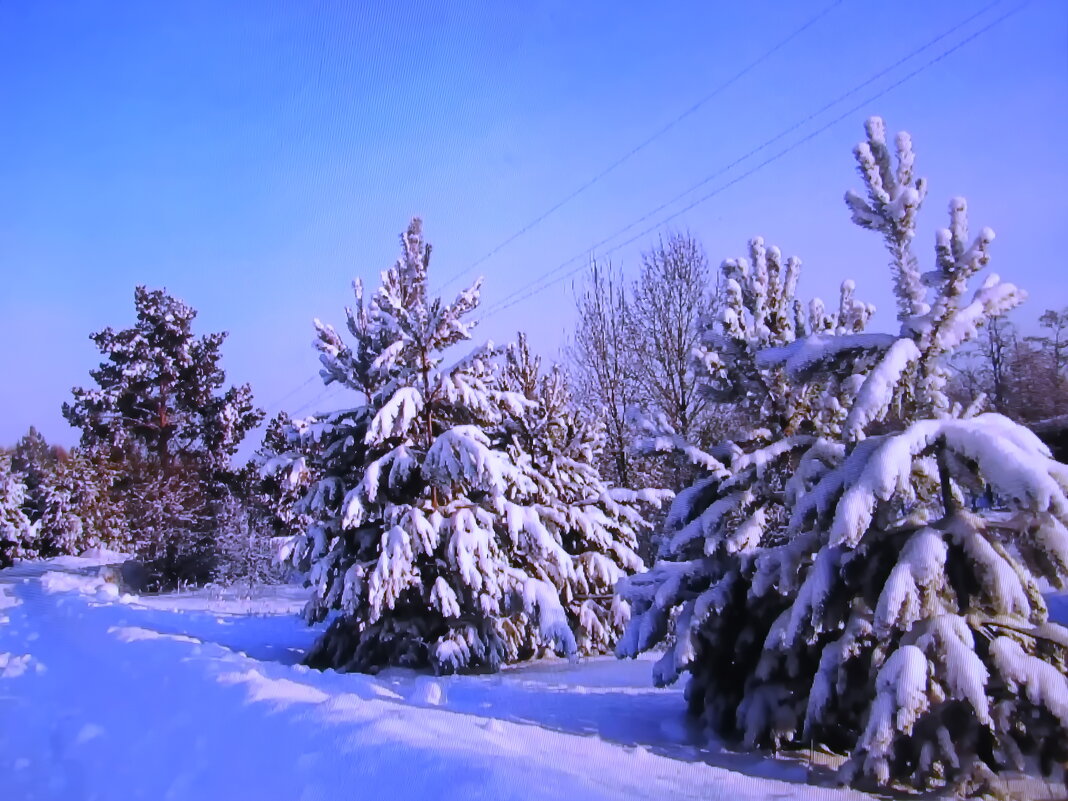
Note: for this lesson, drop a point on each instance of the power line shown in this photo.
(273, 408)
(643, 144)
(326, 391)
(542, 283)
(763, 146)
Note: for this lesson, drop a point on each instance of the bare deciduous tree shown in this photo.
(670, 299)
(633, 349)
(1025, 378)
(602, 368)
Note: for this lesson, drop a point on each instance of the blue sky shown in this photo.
(253, 158)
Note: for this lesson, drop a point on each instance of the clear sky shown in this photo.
(254, 157)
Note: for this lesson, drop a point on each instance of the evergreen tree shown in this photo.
(79, 508)
(245, 550)
(597, 525)
(60, 526)
(172, 522)
(34, 459)
(159, 390)
(160, 414)
(276, 479)
(431, 534)
(17, 533)
(824, 581)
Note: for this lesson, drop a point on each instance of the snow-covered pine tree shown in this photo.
(594, 524)
(245, 554)
(160, 390)
(276, 478)
(428, 530)
(17, 533)
(79, 510)
(34, 459)
(60, 527)
(825, 581)
(160, 410)
(172, 522)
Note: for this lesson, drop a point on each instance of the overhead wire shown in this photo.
(689, 111)
(555, 275)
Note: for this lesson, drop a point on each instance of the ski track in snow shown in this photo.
(167, 698)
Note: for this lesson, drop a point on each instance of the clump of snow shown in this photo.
(427, 692)
(56, 582)
(12, 666)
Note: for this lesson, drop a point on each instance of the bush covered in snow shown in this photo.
(456, 522)
(823, 582)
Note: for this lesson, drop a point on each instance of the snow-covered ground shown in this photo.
(201, 696)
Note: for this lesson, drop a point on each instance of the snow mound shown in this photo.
(7, 598)
(90, 731)
(427, 692)
(7, 601)
(286, 599)
(55, 582)
(282, 692)
(135, 633)
(103, 556)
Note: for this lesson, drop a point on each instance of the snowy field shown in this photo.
(200, 696)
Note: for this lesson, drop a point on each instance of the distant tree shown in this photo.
(160, 391)
(670, 301)
(245, 553)
(1025, 378)
(79, 509)
(17, 533)
(159, 409)
(603, 366)
(276, 479)
(34, 459)
(1053, 347)
(173, 522)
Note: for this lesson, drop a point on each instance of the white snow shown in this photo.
(12, 666)
(190, 697)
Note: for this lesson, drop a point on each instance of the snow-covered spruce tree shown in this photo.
(596, 525)
(825, 583)
(433, 533)
(17, 533)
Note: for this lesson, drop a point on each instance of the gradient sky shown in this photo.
(254, 157)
